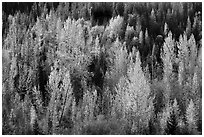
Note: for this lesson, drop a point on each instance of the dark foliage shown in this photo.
(97, 70)
(76, 81)
(120, 8)
(101, 13)
(172, 125)
(158, 48)
(43, 74)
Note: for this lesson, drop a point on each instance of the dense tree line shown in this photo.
(147, 19)
(152, 16)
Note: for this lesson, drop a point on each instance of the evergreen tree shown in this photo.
(138, 26)
(197, 27)
(191, 118)
(166, 29)
(141, 38)
(147, 39)
(188, 28)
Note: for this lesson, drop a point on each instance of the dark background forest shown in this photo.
(103, 12)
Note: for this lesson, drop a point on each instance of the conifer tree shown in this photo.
(141, 38)
(193, 53)
(166, 29)
(138, 26)
(197, 27)
(137, 94)
(147, 40)
(191, 118)
(174, 118)
(152, 16)
(188, 28)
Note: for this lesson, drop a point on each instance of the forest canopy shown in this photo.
(111, 68)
